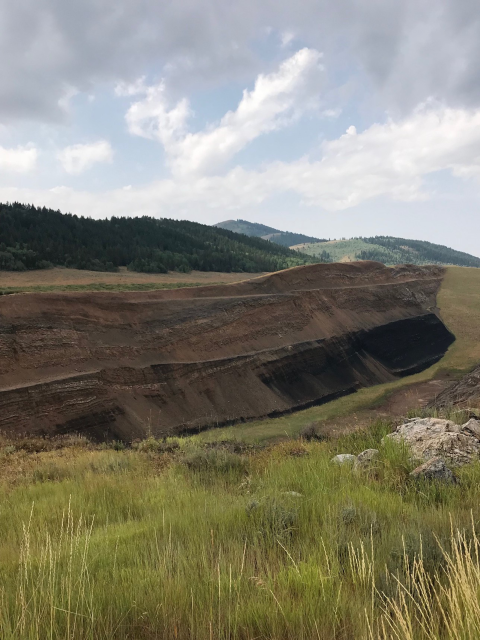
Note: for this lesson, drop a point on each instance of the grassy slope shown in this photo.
(339, 250)
(205, 545)
(459, 303)
(101, 286)
(414, 251)
(62, 279)
(201, 544)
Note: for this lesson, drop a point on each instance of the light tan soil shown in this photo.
(61, 277)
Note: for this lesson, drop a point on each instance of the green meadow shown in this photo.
(183, 540)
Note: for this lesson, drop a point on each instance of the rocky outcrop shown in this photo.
(366, 459)
(118, 365)
(429, 438)
(434, 469)
(465, 392)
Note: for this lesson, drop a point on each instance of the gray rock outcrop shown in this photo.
(366, 459)
(434, 469)
(429, 438)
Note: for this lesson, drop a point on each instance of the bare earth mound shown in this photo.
(116, 365)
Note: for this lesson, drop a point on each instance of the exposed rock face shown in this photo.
(430, 438)
(465, 392)
(114, 365)
(473, 427)
(434, 469)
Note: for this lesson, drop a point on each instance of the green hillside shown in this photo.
(36, 238)
(254, 229)
(388, 250)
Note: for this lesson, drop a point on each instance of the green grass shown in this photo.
(103, 286)
(390, 251)
(201, 543)
(459, 304)
(340, 249)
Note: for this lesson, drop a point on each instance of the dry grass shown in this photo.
(459, 303)
(200, 543)
(59, 278)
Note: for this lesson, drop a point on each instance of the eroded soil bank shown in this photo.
(119, 365)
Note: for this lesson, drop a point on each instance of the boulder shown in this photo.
(429, 438)
(366, 459)
(434, 469)
(473, 427)
(344, 459)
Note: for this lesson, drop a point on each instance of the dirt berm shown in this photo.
(119, 365)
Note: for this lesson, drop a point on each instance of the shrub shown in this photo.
(273, 518)
(215, 461)
(155, 445)
(310, 432)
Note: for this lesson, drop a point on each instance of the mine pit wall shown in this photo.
(114, 366)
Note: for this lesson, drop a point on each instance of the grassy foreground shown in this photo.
(182, 540)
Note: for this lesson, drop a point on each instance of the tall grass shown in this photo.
(199, 542)
(445, 604)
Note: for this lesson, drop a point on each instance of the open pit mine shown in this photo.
(121, 365)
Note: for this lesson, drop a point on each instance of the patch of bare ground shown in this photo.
(60, 277)
(394, 405)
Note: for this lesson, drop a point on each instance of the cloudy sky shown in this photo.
(336, 119)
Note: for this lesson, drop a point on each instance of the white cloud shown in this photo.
(79, 157)
(389, 160)
(286, 38)
(151, 118)
(123, 89)
(274, 101)
(19, 160)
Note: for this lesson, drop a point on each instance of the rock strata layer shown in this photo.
(119, 365)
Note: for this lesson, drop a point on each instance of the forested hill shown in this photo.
(254, 229)
(388, 250)
(421, 251)
(35, 238)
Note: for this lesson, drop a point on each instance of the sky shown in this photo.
(333, 119)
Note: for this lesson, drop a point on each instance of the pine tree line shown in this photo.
(35, 238)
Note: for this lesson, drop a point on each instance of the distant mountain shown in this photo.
(36, 238)
(388, 250)
(254, 229)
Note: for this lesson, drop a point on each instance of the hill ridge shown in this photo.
(258, 230)
(36, 238)
(388, 250)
